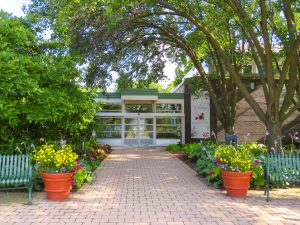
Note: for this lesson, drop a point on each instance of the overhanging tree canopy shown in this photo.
(267, 30)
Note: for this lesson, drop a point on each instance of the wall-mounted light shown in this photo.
(252, 86)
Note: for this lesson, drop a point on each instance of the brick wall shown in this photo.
(249, 128)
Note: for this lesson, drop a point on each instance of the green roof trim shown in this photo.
(170, 95)
(108, 95)
(139, 91)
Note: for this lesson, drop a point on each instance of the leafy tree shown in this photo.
(128, 33)
(182, 70)
(39, 94)
(126, 43)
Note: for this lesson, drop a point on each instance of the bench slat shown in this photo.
(294, 170)
(14, 166)
(282, 167)
(15, 173)
(18, 170)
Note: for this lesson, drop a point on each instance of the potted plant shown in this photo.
(236, 167)
(56, 169)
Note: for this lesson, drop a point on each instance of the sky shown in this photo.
(15, 7)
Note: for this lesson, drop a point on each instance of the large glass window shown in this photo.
(168, 108)
(146, 128)
(112, 107)
(143, 129)
(168, 128)
(112, 128)
(131, 128)
(136, 108)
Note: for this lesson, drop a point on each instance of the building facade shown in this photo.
(142, 117)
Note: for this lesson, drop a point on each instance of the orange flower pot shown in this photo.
(57, 185)
(236, 183)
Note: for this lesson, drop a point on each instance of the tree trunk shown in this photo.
(274, 136)
(229, 128)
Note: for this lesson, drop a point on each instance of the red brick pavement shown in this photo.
(149, 186)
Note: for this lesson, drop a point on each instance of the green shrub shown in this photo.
(205, 164)
(259, 151)
(256, 149)
(187, 148)
(84, 172)
(202, 148)
(203, 154)
(79, 178)
(174, 148)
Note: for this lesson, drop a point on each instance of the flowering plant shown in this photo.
(243, 159)
(230, 159)
(51, 160)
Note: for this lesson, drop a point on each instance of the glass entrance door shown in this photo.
(146, 131)
(138, 131)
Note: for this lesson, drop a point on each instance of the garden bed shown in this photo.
(202, 158)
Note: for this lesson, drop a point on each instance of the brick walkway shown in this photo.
(148, 186)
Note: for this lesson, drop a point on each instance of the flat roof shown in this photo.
(138, 92)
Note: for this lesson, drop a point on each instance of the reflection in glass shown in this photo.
(168, 128)
(112, 107)
(168, 108)
(112, 128)
(136, 108)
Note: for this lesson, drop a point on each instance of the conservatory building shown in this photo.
(141, 117)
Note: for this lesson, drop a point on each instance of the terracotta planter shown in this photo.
(236, 183)
(57, 185)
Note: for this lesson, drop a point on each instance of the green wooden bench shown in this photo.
(281, 167)
(16, 173)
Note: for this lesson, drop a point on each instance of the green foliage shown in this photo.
(255, 148)
(84, 172)
(258, 176)
(181, 71)
(173, 148)
(37, 181)
(40, 98)
(195, 85)
(205, 165)
(258, 151)
(79, 178)
(187, 148)
(133, 39)
(249, 156)
(201, 149)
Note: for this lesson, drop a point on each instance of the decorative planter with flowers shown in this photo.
(56, 170)
(235, 167)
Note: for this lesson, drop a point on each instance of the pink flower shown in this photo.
(257, 162)
(210, 173)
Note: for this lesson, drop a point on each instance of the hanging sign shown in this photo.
(200, 116)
